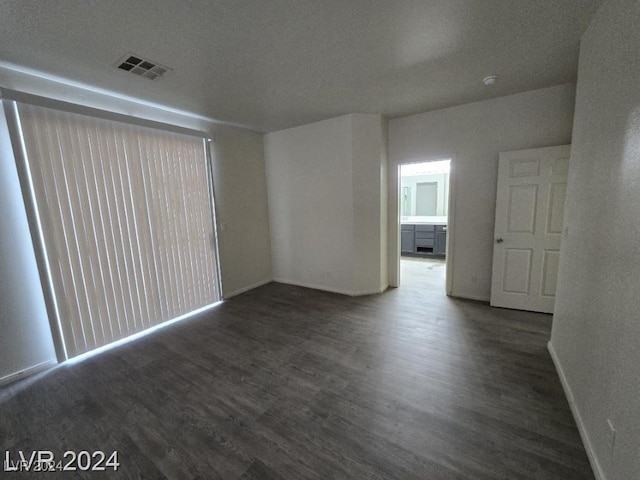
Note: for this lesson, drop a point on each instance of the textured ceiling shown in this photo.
(273, 64)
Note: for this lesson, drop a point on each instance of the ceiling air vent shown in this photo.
(140, 66)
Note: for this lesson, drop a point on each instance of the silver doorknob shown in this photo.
(499, 240)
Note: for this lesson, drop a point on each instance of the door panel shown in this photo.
(517, 270)
(524, 167)
(549, 272)
(558, 193)
(532, 186)
(521, 209)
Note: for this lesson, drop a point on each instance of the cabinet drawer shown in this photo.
(425, 228)
(425, 235)
(425, 242)
(407, 228)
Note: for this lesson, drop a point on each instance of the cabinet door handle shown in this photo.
(499, 240)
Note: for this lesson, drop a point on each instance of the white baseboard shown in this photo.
(324, 288)
(27, 371)
(362, 293)
(593, 459)
(227, 296)
(468, 297)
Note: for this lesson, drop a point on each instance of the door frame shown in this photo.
(395, 221)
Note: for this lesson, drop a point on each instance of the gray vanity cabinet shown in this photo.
(423, 240)
(407, 239)
(441, 240)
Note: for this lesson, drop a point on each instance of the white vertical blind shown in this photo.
(127, 223)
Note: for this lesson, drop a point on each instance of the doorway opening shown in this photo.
(424, 223)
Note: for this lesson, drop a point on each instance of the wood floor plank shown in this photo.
(285, 382)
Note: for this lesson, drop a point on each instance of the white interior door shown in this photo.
(532, 186)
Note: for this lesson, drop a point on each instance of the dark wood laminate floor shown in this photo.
(290, 383)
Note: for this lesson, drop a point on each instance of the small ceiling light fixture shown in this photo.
(490, 80)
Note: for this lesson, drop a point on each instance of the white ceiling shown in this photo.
(273, 64)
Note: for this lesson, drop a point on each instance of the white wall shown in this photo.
(472, 135)
(309, 186)
(241, 205)
(369, 159)
(240, 188)
(596, 326)
(326, 189)
(25, 336)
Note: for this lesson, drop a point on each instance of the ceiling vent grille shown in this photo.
(142, 67)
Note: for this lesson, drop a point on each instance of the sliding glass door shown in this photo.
(126, 219)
